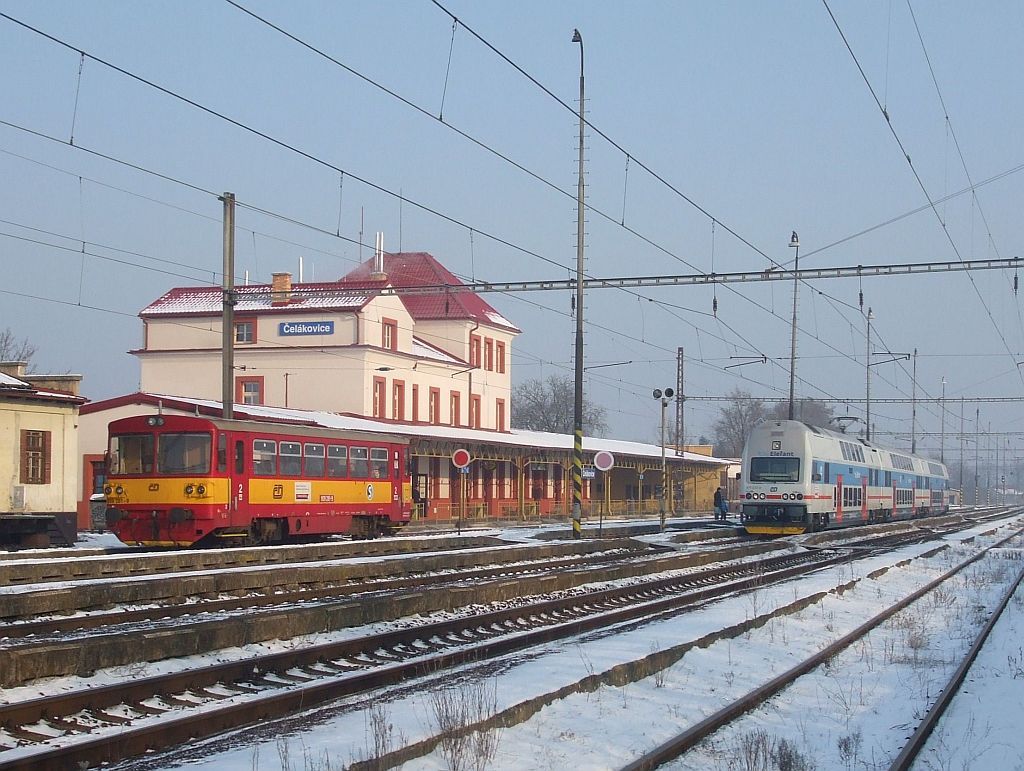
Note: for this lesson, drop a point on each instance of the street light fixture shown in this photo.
(794, 243)
(665, 396)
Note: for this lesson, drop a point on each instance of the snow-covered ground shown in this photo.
(853, 713)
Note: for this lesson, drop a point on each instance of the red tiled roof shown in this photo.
(422, 269)
(207, 300)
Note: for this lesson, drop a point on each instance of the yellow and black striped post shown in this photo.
(577, 484)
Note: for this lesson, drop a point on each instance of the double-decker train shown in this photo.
(178, 480)
(800, 478)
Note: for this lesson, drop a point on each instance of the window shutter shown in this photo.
(23, 457)
(46, 457)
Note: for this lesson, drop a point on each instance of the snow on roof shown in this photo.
(515, 437)
(423, 269)
(208, 300)
(9, 381)
(424, 350)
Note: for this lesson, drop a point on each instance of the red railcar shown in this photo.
(177, 480)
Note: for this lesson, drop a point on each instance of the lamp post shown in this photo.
(794, 243)
(665, 396)
(577, 427)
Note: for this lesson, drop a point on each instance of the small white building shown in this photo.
(344, 346)
(38, 456)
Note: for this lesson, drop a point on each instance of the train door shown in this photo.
(839, 498)
(237, 478)
(864, 498)
(913, 498)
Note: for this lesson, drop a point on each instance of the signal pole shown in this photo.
(577, 442)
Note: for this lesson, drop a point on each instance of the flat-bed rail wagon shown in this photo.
(801, 478)
(177, 480)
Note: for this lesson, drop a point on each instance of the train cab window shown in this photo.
(337, 462)
(184, 453)
(239, 457)
(774, 469)
(360, 462)
(379, 463)
(291, 459)
(222, 453)
(314, 460)
(131, 454)
(264, 458)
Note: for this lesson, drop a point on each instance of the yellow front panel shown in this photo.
(317, 492)
(775, 529)
(167, 490)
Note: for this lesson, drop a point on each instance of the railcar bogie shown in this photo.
(180, 481)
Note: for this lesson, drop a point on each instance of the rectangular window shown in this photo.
(360, 462)
(249, 390)
(380, 404)
(499, 357)
(474, 411)
(455, 409)
(415, 404)
(264, 458)
(389, 334)
(474, 351)
(398, 400)
(130, 454)
(499, 414)
(434, 406)
(35, 457)
(184, 454)
(774, 469)
(99, 475)
(291, 459)
(245, 332)
(379, 463)
(488, 354)
(337, 462)
(314, 460)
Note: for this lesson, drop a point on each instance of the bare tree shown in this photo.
(13, 349)
(806, 410)
(734, 422)
(547, 405)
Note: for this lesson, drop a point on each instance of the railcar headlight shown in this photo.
(762, 496)
(201, 490)
(189, 489)
(119, 490)
(108, 490)
(799, 496)
(785, 496)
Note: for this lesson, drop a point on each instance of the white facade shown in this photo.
(342, 347)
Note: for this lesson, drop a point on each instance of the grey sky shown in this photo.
(755, 111)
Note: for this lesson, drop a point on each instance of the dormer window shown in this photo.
(389, 334)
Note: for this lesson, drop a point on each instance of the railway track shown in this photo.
(279, 595)
(109, 723)
(691, 736)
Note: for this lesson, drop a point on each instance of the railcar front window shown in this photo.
(184, 454)
(131, 454)
(774, 469)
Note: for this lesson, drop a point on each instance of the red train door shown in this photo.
(839, 497)
(864, 498)
(913, 495)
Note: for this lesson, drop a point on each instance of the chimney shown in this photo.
(14, 368)
(378, 274)
(281, 289)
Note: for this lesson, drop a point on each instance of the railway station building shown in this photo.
(435, 367)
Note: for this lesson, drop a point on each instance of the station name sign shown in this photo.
(296, 328)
